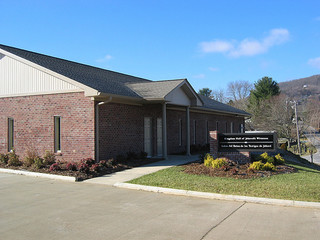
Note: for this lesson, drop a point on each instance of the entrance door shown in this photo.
(159, 136)
(148, 136)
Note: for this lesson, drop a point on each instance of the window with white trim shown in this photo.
(57, 134)
(207, 131)
(10, 134)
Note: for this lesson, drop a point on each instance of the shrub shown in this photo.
(13, 159)
(49, 158)
(83, 167)
(4, 158)
(88, 161)
(208, 159)
(71, 166)
(266, 158)
(95, 167)
(279, 160)
(30, 157)
(54, 167)
(111, 162)
(256, 166)
(103, 163)
(38, 163)
(219, 162)
(268, 167)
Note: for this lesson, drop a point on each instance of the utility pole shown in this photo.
(297, 125)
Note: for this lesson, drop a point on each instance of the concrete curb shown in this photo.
(269, 201)
(36, 174)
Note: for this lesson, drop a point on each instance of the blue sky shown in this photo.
(211, 43)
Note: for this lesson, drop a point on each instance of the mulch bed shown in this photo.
(80, 176)
(235, 171)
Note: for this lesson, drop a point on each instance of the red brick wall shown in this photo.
(122, 128)
(201, 119)
(34, 125)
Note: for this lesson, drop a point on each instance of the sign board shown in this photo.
(247, 142)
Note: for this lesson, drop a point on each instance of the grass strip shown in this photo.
(304, 185)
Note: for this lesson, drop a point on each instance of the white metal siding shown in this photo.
(17, 78)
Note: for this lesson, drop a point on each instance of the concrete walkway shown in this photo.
(127, 175)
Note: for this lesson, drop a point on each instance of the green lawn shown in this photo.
(303, 185)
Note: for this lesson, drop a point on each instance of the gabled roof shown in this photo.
(114, 83)
(157, 89)
(102, 80)
(221, 107)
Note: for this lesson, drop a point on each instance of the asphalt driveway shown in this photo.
(35, 208)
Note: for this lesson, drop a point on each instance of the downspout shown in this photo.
(97, 128)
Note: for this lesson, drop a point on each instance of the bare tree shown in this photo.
(239, 90)
(218, 95)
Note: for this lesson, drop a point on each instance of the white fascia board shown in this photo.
(87, 90)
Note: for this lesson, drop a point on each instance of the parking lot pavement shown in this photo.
(35, 208)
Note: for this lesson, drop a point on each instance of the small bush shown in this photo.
(279, 160)
(208, 159)
(13, 159)
(266, 158)
(256, 166)
(219, 162)
(71, 166)
(111, 162)
(268, 167)
(103, 163)
(54, 167)
(95, 168)
(83, 167)
(88, 161)
(38, 163)
(4, 158)
(31, 155)
(49, 158)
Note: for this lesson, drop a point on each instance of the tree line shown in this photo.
(270, 109)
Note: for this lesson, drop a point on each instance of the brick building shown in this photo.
(80, 111)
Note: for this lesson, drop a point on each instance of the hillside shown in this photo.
(302, 88)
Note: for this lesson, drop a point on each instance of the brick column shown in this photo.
(214, 143)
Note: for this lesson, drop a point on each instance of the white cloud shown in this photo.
(315, 62)
(247, 47)
(213, 69)
(216, 46)
(105, 58)
(200, 76)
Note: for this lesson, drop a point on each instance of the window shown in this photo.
(57, 134)
(231, 127)
(226, 127)
(180, 132)
(10, 134)
(217, 125)
(194, 131)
